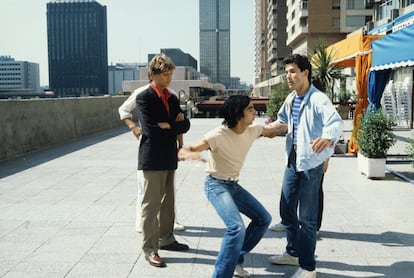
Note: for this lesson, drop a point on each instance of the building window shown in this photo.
(293, 14)
(303, 5)
(303, 21)
(355, 4)
(384, 9)
(336, 4)
(336, 22)
(355, 21)
(406, 3)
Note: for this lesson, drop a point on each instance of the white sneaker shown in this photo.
(285, 259)
(179, 227)
(279, 227)
(241, 272)
(303, 273)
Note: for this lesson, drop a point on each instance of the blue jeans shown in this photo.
(229, 199)
(301, 188)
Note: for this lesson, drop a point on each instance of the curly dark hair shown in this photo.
(233, 109)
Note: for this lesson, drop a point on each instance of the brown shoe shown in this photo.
(175, 246)
(155, 260)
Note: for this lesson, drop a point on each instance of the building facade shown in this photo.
(120, 72)
(392, 55)
(296, 26)
(330, 20)
(77, 48)
(20, 77)
(178, 57)
(215, 40)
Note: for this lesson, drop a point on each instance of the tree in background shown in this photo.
(276, 98)
(324, 70)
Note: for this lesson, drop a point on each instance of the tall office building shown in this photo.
(270, 41)
(77, 48)
(215, 40)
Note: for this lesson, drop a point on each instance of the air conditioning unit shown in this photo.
(369, 25)
(394, 13)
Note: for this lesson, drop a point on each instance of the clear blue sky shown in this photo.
(135, 28)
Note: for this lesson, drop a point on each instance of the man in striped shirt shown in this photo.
(314, 126)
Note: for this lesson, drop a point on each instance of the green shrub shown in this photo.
(375, 136)
(276, 99)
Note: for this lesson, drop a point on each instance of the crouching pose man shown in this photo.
(228, 146)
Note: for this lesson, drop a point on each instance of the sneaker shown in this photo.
(303, 273)
(178, 227)
(279, 227)
(241, 272)
(285, 259)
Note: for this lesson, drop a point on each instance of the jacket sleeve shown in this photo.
(148, 119)
(127, 108)
(332, 121)
(181, 127)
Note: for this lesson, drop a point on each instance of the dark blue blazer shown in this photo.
(158, 147)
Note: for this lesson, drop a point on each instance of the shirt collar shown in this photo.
(160, 95)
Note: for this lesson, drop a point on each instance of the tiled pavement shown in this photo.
(69, 211)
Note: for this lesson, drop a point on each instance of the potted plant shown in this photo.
(344, 107)
(374, 138)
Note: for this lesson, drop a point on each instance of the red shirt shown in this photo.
(163, 96)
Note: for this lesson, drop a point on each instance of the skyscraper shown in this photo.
(77, 48)
(215, 40)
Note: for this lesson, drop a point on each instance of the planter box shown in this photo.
(341, 148)
(371, 167)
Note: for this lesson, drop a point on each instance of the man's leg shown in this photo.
(167, 214)
(308, 216)
(140, 194)
(320, 207)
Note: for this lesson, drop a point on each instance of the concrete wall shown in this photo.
(28, 125)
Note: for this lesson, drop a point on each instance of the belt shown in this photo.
(294, 147)
(224, 180)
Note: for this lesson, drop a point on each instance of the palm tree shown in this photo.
(324, 70)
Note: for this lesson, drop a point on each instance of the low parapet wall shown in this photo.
(28, 125)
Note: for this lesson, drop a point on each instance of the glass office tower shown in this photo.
(77, 48)
(215, 40)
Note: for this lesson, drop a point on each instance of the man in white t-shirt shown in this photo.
(228, 146)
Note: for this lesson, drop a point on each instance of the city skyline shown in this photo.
(171, 24)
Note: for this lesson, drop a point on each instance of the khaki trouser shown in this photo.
(157, 210)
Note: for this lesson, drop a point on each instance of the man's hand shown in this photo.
(320, 144)
(136, 131)
(186, 154)
(180, 117)
(164, 125)
(274, 129)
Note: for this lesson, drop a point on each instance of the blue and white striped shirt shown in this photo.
(295, 116)
(317, 118)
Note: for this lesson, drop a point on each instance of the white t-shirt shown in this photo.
(228, 150)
